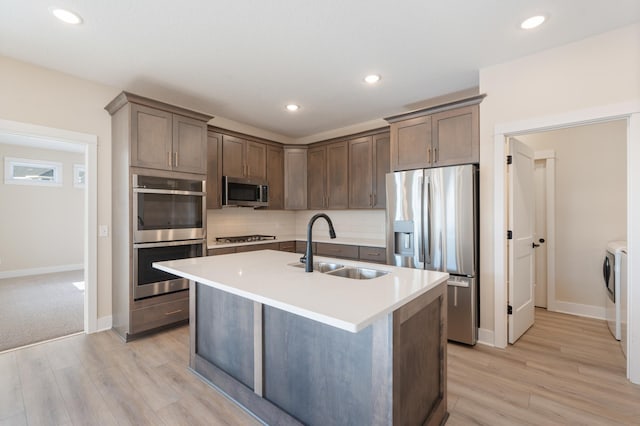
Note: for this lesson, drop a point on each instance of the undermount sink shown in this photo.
(339, 270)
(320, 266)
(357, 273)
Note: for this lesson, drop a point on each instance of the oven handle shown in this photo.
(168, 244)
(142, 190)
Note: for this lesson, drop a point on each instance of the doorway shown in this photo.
(580, 205)
(88, 143)
(625, 111)
(41, 274)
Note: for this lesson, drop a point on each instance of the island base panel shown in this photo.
(306, 372)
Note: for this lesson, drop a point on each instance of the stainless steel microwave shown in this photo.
(244, 192)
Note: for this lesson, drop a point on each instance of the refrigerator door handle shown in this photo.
(419, 242)
(428, 221)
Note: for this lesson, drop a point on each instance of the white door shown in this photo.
(520, 246)
(540, 275)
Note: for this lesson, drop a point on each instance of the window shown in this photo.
(32, 172)
(79, 176)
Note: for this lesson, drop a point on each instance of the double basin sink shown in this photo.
(338, 270)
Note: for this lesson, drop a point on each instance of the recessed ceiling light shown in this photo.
(532, 22)
(66, 15)
(372, 78)
(292, 107)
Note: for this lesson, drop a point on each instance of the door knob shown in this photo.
(534, 245)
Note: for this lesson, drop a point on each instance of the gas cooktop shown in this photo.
(245, 238)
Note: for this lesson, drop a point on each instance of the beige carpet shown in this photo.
(40, 307)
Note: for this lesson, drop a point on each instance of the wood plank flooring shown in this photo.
(99, 380)
(565, 370)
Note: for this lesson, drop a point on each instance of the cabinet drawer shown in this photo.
(256, 247)
(222, 250)
(288, 246)
(301, 247)
(373, 254)
(337, 250)
(158, 315)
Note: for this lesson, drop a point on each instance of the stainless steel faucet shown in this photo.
(307, 259)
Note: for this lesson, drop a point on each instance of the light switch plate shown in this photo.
(103, 231)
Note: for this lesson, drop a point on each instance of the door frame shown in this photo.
(549, 157)
(629, 111)
(90, 143)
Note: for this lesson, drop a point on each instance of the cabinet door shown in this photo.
(151, 138)
(233, 156)
(275, 177)
(295, 179)
(214, 170)
(189, 145)
(455, 136)
(256, 160)
(411, 144)
(361, 173)
(337, 189)
(381, 166)
(316, 170)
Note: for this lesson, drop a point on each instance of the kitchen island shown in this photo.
(314, 348)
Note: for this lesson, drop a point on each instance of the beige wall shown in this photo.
(41, 226)
(590, 204)
(35, 95)
(594, 72)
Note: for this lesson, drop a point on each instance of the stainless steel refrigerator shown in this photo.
(432, 223)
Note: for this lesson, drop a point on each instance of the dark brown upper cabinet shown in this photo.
(368, 165)
(327, 176)
(444, 135)
(214, 170)
(243, 158)
(275, 177)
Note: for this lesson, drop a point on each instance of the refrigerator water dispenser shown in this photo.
(403, 238)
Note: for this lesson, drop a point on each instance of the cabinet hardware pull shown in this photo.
(372, 254)
(429, 155)
(175, 156)
(435, 155)
(371, 200)
(375, 200)
(173, 312)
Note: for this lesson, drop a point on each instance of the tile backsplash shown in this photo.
(369, 224)
(234, 221)
(246, 221)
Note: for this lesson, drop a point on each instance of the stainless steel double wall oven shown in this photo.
(169, 222)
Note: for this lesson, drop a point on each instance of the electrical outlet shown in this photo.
(103, 231)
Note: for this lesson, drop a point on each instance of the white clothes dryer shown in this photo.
(611, 275)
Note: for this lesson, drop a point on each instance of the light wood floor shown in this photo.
(565, 370)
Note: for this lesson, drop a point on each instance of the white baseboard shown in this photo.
(485, 337)
(590, 311)
(39, 271)
(104, 323)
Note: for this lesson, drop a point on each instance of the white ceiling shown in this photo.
(245, 59)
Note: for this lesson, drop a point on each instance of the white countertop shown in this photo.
(266, 277)
(369, 242)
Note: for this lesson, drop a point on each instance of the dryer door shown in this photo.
(609, 276)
